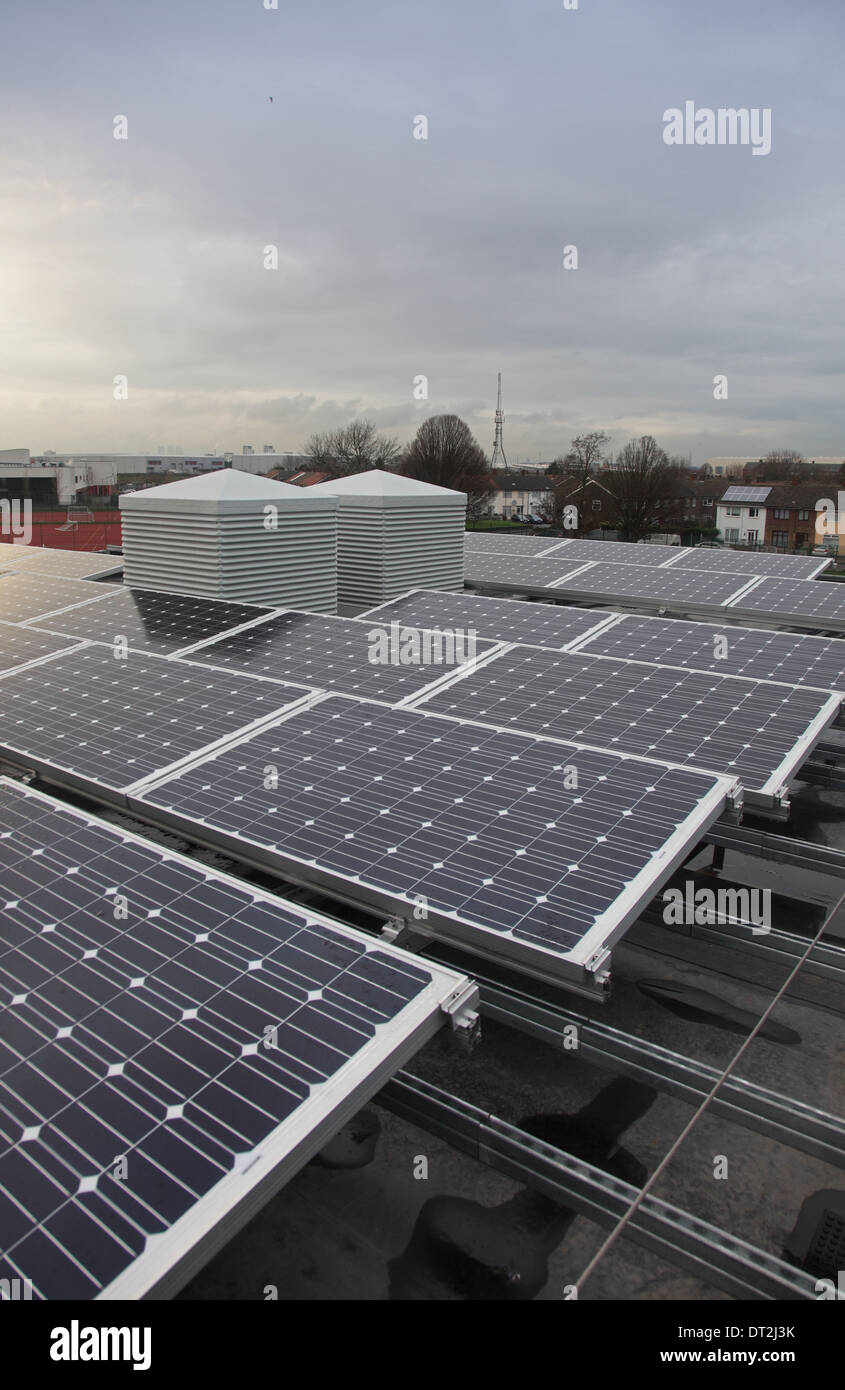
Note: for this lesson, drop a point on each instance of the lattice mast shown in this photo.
(499, 459)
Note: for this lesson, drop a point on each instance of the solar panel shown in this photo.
(818, 662)
(18, 646)
(90, 719)
(817, 604)
(750, 730)
(73, 564)
(174, 1045)
(619, 553)
(24, 595)
(529, 851)
(359, 658)
(515, 572)
(147, 620)
(694, 588)
(504, 619)
(752, 563)
(746, 494)
(484, 542)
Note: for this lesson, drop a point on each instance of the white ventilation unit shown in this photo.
(232, 535)
(393, 534)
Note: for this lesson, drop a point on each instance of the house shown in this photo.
(741, 515)
(791, 522)
(520, 494)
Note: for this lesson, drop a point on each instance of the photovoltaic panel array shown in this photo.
(750, 730)
(343, 654)
(617, 553)
(746, 494)
(528, 850)
(24, 595)
(72, 564)
(818, 662)
(693, 587)
(751, 562)
(516, 572)
(174, 1045)
(493, 542)
(90, 716)
(150, 621)
(503, 619)
(818, 604)
(19, 645)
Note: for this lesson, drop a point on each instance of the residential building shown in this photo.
(741, 515)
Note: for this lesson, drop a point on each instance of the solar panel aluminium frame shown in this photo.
(772, 799)
(584, 969)
(603, 620)
(172, 1258)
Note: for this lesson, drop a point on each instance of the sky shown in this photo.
(402, 258)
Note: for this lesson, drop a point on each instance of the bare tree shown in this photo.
(644, 485)
(446, 453)
(354, 448)
(782, 466)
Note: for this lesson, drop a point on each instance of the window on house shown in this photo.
(596, 504)
(804, 516)
(734, 511)
(780, 538)
(753, 511)
(782, 513)
(732, 533)
(708, 502)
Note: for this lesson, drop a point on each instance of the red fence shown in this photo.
(51, 529)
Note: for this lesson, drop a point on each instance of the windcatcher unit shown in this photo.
(395, 534)
(232, 535)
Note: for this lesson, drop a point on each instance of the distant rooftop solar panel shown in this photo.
(150, 621)
(504, 619)
(174, 1046)
(746, 494)
(91, 719)
(524, 849)
(26, 595)
(356, 657)
(818, 662)
(755, 731)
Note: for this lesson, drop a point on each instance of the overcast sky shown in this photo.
(401, 257)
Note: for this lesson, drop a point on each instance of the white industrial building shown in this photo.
(73, 472)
